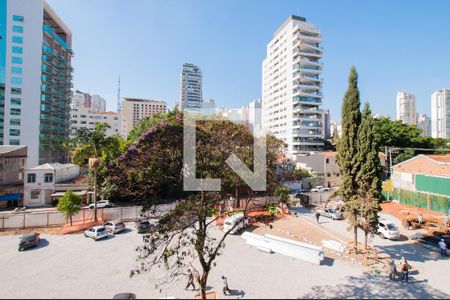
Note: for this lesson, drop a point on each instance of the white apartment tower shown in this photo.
(292, 86)
(406, 108)
(191, 87)
(35, 79)
(424, 123)
(440, 114)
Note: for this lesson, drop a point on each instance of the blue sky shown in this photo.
(395, 45)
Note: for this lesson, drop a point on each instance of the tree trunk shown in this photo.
(203, 282)
(238, 202)
(355, 239)
(95, 195)
(71, 221)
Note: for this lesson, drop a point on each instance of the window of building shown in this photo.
(17, 39)
(35, 194)
(16, 80)
(17, 18)
(17, 29)
(48, 177)
(82, 116)
(14, 132)
(327, 161)
(15, 111)
(17, 60)
(14, 142)
(31, 178)
(16, 101)
(14, 122)
(328, 174)
(16, 91)
(17, 50)
(16, 70)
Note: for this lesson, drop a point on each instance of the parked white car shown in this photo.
(319, 189)
(101, 204)
(330, 213)
(388, 230)
(237, 222)
(96, 233)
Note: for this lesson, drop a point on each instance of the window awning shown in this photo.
(61, 194)
(11, 197)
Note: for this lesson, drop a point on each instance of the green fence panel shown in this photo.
(436, 185)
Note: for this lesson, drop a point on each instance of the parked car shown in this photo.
(28, 241)
(330, 213)
(96, 233)
(319, 189)
(237, 222)
(143, 226)
(433, 241)
(125, 296)
(115, 226)
(388, 230)
(101, 204)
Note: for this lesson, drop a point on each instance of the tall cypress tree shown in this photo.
(347, 150)
(369, 174)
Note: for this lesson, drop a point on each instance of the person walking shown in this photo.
(226, 290)
(317, 216)
(405, 270)
(443, 247)
(393, 270)
(190, 280)
(420, 219)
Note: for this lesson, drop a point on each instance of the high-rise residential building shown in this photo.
(406, 108)
(98, 103)
(191, 87)
(81, 99)
(424, 123)
(326, 124)
(440, 114)
(292, 86)
(133, 110)
(35, 79)
(252, 115)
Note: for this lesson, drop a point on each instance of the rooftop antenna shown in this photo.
(119, 106)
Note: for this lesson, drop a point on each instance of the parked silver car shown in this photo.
(96, 233)
(115, 226)
(331, 213)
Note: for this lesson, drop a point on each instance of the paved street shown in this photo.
(76, 267)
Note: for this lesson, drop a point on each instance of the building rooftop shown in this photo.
(143, 100)
(9, 150)
(434, 165)
(54, 166)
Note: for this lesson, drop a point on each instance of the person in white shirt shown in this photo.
(443, 247)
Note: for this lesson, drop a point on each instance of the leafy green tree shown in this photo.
(283, 194)
(369, 175)
(347, 148)
(95, 145)
(69, 205)
(151, 171)
(405, 155)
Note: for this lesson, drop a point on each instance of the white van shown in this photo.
(230, 222)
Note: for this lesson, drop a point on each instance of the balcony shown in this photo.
(307, 96)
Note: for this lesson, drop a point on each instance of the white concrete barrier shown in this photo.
(291, 248)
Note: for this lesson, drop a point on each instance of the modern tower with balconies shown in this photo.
(406, 108)
(191, 87)
(292, 86)
(35, 79)
(440, 114)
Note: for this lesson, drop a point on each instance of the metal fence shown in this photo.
(54, 218)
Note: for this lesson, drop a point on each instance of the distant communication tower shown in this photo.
(119, 106)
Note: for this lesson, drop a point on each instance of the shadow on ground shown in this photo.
(380, 287)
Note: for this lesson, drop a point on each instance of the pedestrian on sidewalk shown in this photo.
(226, 290)
(443, 247)
(420, 219)
(405, 266)
(393, 270)
(317, 216)
(190, 280)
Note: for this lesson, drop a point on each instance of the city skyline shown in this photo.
(395, 65)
